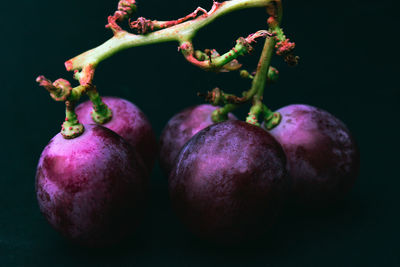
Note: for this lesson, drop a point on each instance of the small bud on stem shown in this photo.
(59, 90)
(125, 9)
(212, 60)
(283, 45)
(217, 97)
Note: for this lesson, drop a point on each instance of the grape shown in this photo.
(228, 183)
(322, 156)
(180, 128)
(92, 188)
(129, 122)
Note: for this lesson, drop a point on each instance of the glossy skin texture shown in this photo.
(92, 188)
(322, 157)
(229, 181)
(180, 128)
(129, 122)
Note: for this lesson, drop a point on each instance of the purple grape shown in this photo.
(129, 122)
(180, 128)
(322, 156)
(92, 188)
(228, 183)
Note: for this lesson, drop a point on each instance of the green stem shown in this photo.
(101, 113)
(71, 127)
(257, 89)
(259, 81)
(241, 48)
(271, 119)
(221, 114)
(264, 71)
(261, 76)
(180, 33)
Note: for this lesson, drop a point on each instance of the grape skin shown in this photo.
(180, 128)
(228, 183)
(92, 188)
(129, 122)
(323, 158)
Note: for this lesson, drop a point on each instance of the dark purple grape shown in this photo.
(129, 122)
(228, 183)
(180, 128)
(322, 156)
(92, 188)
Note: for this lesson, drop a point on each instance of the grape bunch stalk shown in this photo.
(228, 179)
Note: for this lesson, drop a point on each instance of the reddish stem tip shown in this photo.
(69, 65)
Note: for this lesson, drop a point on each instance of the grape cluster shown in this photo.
(227, 181)
(93, 188)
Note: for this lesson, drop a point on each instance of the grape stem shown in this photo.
(182, 31)
(143, 25)
(71, 127)
(256, 92)
(258, 85)
(242, 47)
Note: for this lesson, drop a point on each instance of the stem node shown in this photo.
(71, 127)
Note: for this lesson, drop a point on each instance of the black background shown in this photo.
(348, 67)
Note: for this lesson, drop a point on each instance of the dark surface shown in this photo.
(347, 67)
